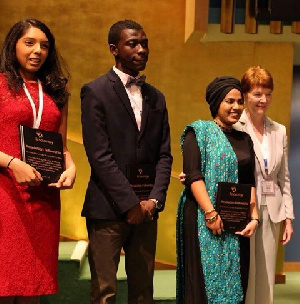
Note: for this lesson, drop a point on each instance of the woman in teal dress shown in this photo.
(212, 263)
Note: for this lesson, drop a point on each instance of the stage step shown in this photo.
(74, 279)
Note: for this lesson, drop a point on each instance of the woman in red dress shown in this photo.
(32, 93)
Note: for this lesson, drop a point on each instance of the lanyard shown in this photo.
(265, 148)
(36, 116)
(266, 166)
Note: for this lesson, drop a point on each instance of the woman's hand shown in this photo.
(182, 177)
(249, 229)
(215, 226)
(24, 173)
(67, 179)
(287, 231)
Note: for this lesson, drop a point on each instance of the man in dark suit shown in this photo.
(125, 130)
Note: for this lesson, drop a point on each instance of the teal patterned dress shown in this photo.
(213, 271)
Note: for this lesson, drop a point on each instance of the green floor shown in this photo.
(74, 282)
(288, 293)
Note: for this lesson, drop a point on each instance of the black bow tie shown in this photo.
(138, 81)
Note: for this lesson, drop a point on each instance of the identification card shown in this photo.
(268, 187)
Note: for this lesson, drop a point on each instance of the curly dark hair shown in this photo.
(116, 29)
(53, 73)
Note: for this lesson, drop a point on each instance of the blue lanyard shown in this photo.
(266, 165)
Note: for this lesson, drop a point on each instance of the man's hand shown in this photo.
(149, 209)
(135, 215)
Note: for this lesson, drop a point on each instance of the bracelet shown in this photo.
(212, 219)
(255, 219)
(209, 211)
(10, 162)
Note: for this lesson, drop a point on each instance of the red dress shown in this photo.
(29, 216)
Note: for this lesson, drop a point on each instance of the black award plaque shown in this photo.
(43, 150)
(141, 178)
(233, 205)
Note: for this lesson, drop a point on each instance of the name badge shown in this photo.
(268, 187)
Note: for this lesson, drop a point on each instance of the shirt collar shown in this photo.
(123, 76)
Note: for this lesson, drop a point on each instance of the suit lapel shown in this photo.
(271, 135)
(121, 92)
(244, 120)
(148, 102)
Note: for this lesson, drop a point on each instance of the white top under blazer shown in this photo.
(279, 204)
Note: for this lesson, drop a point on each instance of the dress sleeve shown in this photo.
(191, 159)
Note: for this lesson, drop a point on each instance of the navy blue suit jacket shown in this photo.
(112, 140)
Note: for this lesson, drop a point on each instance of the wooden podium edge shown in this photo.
(280, 278)
(287, 267)
(291, 266)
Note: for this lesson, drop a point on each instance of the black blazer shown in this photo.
(111, 139)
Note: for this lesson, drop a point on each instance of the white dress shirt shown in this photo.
(134, 94)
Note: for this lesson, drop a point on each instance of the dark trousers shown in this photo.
(106, 239)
